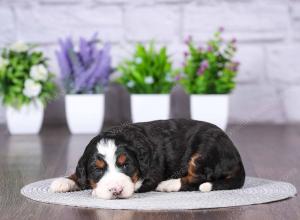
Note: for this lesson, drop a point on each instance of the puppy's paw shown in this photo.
(205, 187)
(63, 185)
(172, 185)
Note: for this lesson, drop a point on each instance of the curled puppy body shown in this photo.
(166, 155)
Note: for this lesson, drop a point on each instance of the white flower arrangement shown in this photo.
(24, 76)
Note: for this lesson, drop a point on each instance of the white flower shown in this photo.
(31, 88)
(19, 47)
(130, 84)
(169, 78)
(3, 62)
(39, 72)
(138, 60)
(149, 80)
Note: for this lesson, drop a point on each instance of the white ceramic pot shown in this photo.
(148, 107)
(84, 113)
(26, 120)
(210, 108)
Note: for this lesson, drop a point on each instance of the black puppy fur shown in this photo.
(194, 151)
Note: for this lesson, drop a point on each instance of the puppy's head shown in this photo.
(111, 170)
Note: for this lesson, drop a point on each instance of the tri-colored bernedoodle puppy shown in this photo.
(167, 156)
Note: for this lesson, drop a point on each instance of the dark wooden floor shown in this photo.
(268, 151)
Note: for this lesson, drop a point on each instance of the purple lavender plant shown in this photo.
(87, 70)
(203, 66)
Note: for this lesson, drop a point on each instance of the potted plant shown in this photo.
(208, 75)
(26, 85)
(85, 74)
(148, 77)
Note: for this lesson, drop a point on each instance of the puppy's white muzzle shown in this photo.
(113, 186)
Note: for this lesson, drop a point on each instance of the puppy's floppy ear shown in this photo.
(81, 176)
(81, 173)
(141, 147)
(135, 141)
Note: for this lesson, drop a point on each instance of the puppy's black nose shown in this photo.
(116, 191)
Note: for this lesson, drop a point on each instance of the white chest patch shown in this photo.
(138, 185)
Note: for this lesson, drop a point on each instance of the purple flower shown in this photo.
(63, 58)
(88, 69)
(221, 29)
(188, 40)
(177, 77)
(203, 66)
(185, 53)
(233, 40)
(209, 48)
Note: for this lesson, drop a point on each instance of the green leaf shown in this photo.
(147, 62)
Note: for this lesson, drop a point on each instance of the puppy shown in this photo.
(166, 155)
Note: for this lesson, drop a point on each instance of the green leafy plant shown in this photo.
(24, 76)
(209, 70)
(149, 71)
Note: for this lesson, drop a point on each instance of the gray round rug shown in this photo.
(255, 191)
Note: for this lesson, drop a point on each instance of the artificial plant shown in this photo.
(210, 69)
(149, 71)
(84, 70)
(24, 76)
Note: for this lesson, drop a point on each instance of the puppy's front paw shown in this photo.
(172, 185)
(63, 185)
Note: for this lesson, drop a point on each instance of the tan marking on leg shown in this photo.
(191, 176)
